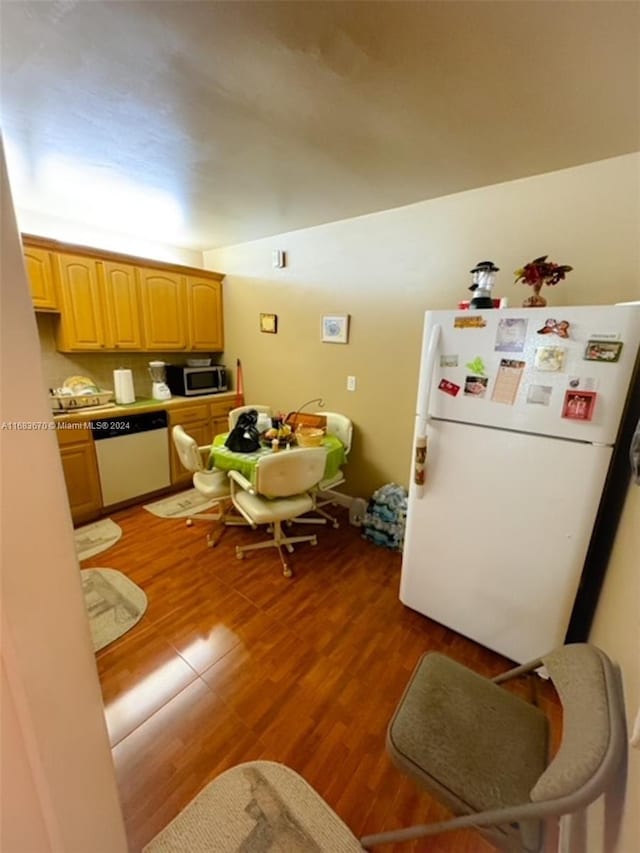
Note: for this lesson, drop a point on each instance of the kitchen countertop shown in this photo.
(142, 404)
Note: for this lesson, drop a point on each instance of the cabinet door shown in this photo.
(219, 413)
(83, 484)
(81, 322)
(124, 330)
(163, 310)
(40, 270)
(204, 311)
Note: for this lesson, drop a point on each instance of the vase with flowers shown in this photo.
(536, 273)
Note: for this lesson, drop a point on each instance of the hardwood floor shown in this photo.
(233, 662)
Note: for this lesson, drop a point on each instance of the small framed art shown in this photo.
(269, 323)
(335, 328)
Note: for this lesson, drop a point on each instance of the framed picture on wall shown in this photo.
(269, 323)
(335, 328)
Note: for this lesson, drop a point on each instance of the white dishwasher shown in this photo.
(133, 455)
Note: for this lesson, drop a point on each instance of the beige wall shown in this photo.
(58, 786)
(616, 629)
(386, 269)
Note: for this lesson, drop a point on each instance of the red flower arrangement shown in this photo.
(541, 271)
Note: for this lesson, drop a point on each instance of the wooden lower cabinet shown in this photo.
(202, 421)
(80, 469)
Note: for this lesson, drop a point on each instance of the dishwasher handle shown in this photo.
(120, 427)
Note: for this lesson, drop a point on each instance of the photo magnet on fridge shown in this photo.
(579, 405)
(603, 351)
(475, 386)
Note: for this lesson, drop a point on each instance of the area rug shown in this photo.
(258, 807)
(181, 505)
(94, 538)
(114, 604)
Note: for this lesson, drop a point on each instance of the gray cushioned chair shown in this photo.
(484, 752)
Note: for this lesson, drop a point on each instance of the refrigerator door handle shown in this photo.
(426, 381)
(424, 393)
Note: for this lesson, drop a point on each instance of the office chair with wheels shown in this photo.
(212, 483)
(483, 751)
(283, 491)
(340, 426)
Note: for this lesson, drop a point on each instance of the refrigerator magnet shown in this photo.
(476, 366)
(511, 334)
(603, 351)
(584, 383)
(475, 386)
(539, 395)
(448, 361)
(449, 387)
(553, 327)
(471, 321)
(507, 381)
(579, 405)
(549, 358)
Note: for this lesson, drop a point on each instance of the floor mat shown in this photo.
(114, 604)
(181, 505)
(94, 538)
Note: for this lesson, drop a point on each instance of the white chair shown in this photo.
(212, 483)
(283, 491)
(340, 426)
(263, 412)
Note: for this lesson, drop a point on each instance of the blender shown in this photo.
(159, 388)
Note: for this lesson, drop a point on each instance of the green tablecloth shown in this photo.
(246, 463)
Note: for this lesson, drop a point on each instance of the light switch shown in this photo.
(351, 383)
(278, 259)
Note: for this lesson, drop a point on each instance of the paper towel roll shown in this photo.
(123, 386)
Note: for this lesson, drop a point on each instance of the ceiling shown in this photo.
(215, 123)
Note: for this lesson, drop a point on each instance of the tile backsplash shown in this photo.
(57, 366)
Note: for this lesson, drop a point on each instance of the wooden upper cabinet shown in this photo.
(40, 265)
(109, 301)
(81, 325)
(163, 310)
(122, 304)
(204, 313)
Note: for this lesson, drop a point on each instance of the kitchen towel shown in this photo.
(123, 386)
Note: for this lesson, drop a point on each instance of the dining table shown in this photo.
(247, 463)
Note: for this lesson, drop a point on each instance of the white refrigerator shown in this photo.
(519, 421)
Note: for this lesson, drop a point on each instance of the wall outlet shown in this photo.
(351, 383)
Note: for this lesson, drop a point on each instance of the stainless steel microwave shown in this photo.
(187, 381)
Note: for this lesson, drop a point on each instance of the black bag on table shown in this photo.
(244, 437)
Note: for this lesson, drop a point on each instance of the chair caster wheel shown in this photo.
(189, 523)
(314, 541)
(240, 555)
(287, 572)
(335, 524)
